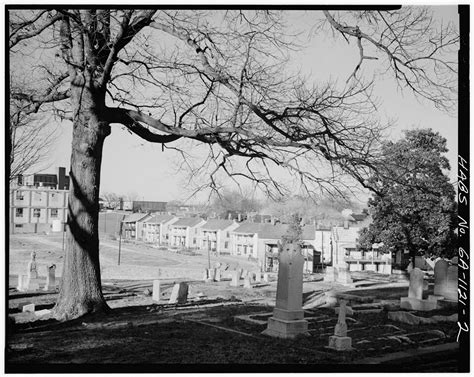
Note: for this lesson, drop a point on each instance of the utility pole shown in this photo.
(120, 239)
(208, 252)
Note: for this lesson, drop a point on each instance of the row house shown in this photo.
(185, 232)
(215, 235)
(132, 226)
(156, 229)
(261, 241)
(34, 210)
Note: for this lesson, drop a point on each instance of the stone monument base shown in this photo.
(280, 328)
(411, 303)
(340, 343)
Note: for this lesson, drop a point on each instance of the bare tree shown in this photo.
(112, 199)
(30, 140)
(216, 78)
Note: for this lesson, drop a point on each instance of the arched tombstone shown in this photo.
(451, 289)
(415, 290)
(440, 275)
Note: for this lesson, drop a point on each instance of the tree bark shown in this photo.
(80, 290)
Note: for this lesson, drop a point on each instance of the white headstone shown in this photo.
(29, 308)
(179, 294)
(205, 275)
(217, 274)
(258, 277)
(210, 274)
(156, 290)
(21, 283)
(235, 278)
(415, 290)
(247, 282)
(244, 274)
(265, 277)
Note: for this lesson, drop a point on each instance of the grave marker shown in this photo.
(179, 294)
(340, 341)
(415, 290)
(258, 277)
(50, 277)
(451, 291)
(156, 290)
(440, 275)
(265, 277)
(235, 279)
(217, 274)
(247, 282)
(288, 316)
(415, 301)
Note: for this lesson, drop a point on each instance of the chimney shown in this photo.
(61, 178)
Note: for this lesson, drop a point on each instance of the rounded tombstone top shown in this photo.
(441, 263)
(454, 260)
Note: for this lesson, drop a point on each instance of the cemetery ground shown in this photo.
(219, 327)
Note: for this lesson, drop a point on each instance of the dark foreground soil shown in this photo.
(206, 335)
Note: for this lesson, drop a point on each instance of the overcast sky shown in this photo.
(132, 165)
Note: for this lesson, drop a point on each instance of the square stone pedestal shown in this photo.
(411, 303)
(281, 328)
(340, 343)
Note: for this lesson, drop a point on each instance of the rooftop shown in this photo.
(188, 221)
(216, 224)
(134, 217)
(160, 219)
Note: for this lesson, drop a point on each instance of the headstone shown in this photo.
(179, 294)
(244, 274)
(440, 277)
(340, 341)
(258, 277)
(454, 260)
(288, 316)
(29, 308)
(205, 275)
(21, 283)
(415, 301)
(210, 274)
(265, 277)
(217, 274)
(247, 282)
(156, 290)
(451, 291)
(415, 290)
(235, 279)
(50, 277)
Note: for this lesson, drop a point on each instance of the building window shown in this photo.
(19, 212)
(36, 212)
(226, 245)
(228, 235)
(54, 212)
(19, 195)
(18, 225)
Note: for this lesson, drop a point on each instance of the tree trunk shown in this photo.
(80, 290)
